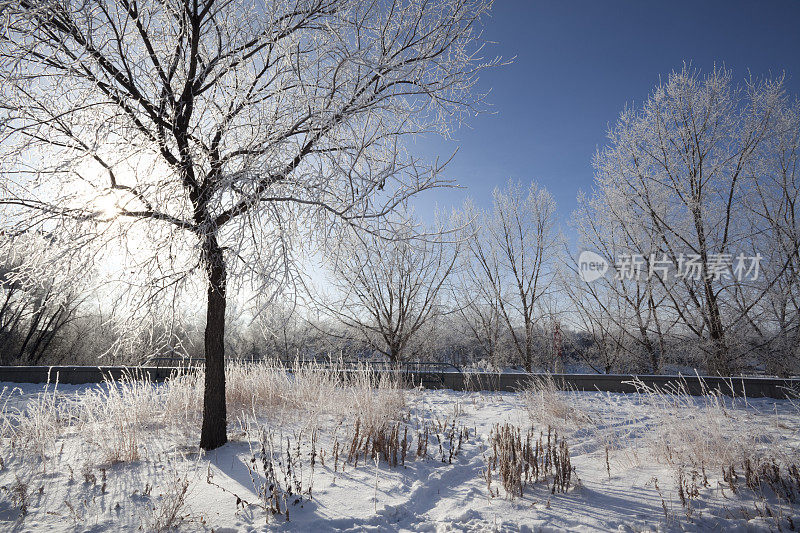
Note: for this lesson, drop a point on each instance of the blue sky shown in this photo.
(577, 64)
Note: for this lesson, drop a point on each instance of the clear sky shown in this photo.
(577, 64)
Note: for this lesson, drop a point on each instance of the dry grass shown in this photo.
(117, 418)
(519, 459)
(709, 442)
(361, 417)
(169, 509)
(554, 408)
(35, 429)
(133, 419)
(708, 431)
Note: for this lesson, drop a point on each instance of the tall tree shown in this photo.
(692, 180)
(632, 307)
(213, 130)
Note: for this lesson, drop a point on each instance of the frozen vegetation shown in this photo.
(309, 452)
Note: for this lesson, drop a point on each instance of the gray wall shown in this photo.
(753, 387)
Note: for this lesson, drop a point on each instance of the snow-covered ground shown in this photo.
(134, 466)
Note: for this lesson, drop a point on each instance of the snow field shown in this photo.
(367, 454)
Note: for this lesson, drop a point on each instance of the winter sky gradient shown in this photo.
(577, 64)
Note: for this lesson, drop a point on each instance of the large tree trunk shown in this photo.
(214, 432)
(719, 362)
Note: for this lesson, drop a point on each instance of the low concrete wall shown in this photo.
(77, 375)
(753, 387)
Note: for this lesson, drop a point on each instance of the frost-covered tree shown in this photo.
(195, 139)
(628, 309)
(688, 182)
(389, 292)
(511, 251)
(478, 309)
(774, 319)
(37, 304)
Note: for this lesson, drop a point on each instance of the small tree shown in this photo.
(206, 134)
(511, 254)
(389, 291)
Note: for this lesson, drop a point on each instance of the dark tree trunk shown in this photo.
(720, 362)
(394, 353)
(528, 347)
(214, 432)
(655, 364)
(656, 352)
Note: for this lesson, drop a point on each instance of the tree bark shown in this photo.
(214, 432)
(720, 361)
(528, 362)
